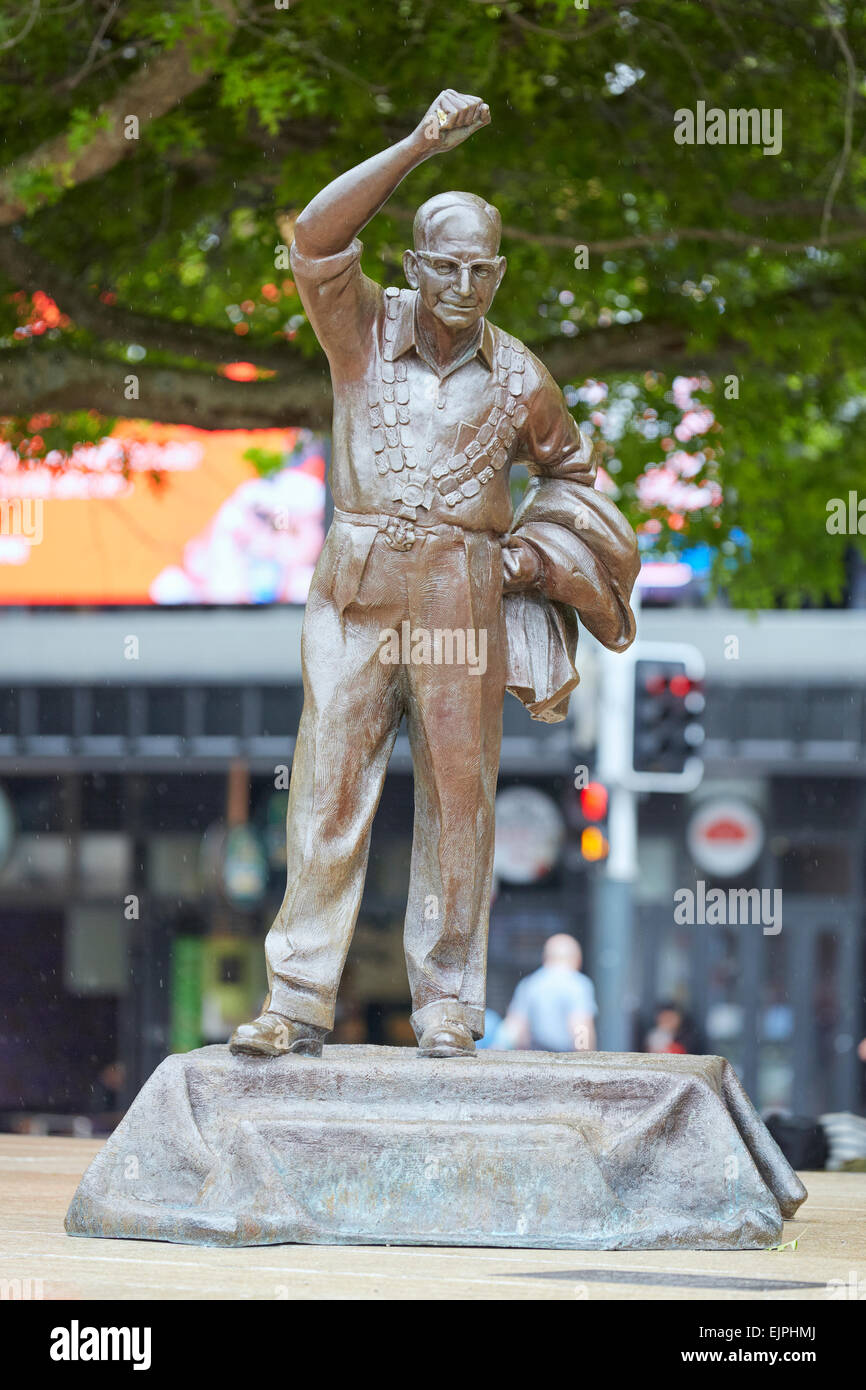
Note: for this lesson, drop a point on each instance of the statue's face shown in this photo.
(457, 271)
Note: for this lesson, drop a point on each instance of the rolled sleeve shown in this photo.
(552, 442)
(339, 300)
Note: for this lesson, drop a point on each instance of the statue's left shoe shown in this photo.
(447, 1038)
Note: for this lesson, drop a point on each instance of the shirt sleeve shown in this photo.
(340, 301)
(552, 443)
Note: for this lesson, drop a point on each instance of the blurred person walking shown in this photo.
(554, 1009)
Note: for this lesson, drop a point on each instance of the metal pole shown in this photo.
(613, 928)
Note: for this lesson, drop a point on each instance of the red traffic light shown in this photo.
(678, 685)
(593, 801)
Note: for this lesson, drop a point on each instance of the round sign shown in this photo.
(529, 835)
(725, 836)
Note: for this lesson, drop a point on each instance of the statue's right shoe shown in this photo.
(274, 1035)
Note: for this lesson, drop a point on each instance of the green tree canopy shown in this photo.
(156, 155)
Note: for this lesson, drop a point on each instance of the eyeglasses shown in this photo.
(450, 269)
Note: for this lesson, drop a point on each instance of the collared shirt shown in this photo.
(411, 441)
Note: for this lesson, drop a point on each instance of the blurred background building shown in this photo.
(151, 691)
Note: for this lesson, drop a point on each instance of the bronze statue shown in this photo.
(430, 597)
(430, 600)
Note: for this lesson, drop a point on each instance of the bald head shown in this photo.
(563, 952)
(455, 266)
(462, 216)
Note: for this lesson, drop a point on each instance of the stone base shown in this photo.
(374, 1146)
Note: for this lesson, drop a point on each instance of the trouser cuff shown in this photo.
(300, 1006)
(442, 1011)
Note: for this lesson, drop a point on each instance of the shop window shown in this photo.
(37, 801)
(818, 802)
(49, 1025)
(763, 715)
(281, 711)
(54, 711)
(674, 948)
(189, 802)
(775, 1030)
(656, 881)
(223, 711)
(103, 802)
(8, 713)
(164, 712)
(720, 715)
(108, 712)
(37, 861)
(817, 869)
(829, 714)
(105, 865)
(95, 951)
(173, 865)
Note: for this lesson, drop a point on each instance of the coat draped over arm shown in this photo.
(589, 562)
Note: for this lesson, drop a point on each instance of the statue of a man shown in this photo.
(430, 597)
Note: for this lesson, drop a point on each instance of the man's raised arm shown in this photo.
(337, 214)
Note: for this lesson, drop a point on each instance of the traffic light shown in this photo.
(594, 843)
(667, 727)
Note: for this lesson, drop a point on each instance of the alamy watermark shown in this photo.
(846, 516)
(17, 1290)
(729, 907)
(77, 1343)
(22, 517)
(736, 126)
(443, 646)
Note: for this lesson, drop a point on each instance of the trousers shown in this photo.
(416, 633)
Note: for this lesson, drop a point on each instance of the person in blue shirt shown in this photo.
(554, 1009)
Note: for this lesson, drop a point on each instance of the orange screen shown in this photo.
(190, 520)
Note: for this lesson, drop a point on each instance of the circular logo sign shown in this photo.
(725, 836)
(529, 835)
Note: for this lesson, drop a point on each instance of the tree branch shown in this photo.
(38, 378)
(713, 234)
(55, 379)
(850, 89)
(722, 235)
(28, 25)
(643, 346)
(28, 271)
(73, 81)
(157, 87)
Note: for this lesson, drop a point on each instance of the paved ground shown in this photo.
(38, 1177)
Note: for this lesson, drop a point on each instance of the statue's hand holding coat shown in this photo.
(522, 566)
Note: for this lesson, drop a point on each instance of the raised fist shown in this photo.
(452, 118)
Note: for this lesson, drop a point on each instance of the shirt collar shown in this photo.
(404, 335)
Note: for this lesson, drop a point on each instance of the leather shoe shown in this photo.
(274, 1035)
(447, 1039)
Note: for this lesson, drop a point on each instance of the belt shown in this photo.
(400, 532)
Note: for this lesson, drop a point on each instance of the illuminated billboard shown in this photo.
(165, 514)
